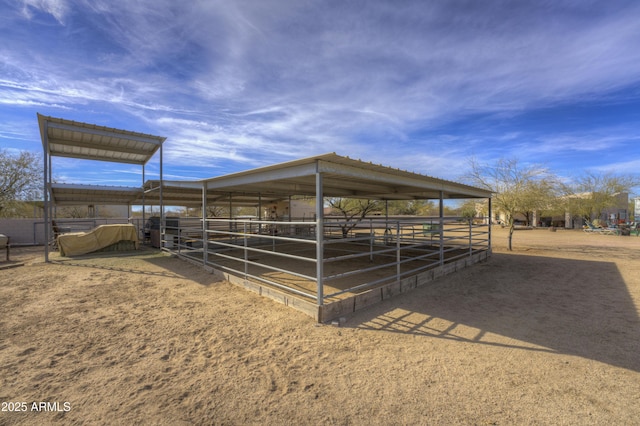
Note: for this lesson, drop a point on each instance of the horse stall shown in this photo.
(311, 263)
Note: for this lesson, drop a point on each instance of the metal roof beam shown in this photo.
(93, 158)
(94, 187)
(107, 133)
(391, 179)
(55, 145)
(244, 178)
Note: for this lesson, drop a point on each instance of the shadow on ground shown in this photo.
(575, 307)
(139, 261)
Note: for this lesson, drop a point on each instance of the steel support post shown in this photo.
(398, 251)
(46, 200)
(490, 220)
(205, 236)
(441, 214)
(319, 237)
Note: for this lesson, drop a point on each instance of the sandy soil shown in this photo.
(546, 334)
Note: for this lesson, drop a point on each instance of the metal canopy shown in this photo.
(342, 177)
(64, 194)
(189, 194)
(68, 138)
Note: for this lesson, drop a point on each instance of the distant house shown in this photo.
(572, 220)
(617, 213)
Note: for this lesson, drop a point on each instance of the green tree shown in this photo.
(540, 196)
(594, 192)
(410, 207)
(468, 209)
(517, 189)
(20, 179)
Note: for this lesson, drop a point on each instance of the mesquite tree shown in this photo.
(353, 211)
(516, 188)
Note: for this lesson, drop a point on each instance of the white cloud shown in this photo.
(56, 8)
(629, 166)
(256, 82)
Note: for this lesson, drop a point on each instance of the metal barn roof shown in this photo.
(66, 138)
(341, 177)
(65, 194)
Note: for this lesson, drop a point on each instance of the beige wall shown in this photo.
(31, 231)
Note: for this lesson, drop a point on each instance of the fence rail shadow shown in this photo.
(578, 307)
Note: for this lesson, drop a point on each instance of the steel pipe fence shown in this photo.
(253, 249)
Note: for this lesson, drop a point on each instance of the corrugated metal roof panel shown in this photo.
(343, 177)
(75, 194)
(67, 138)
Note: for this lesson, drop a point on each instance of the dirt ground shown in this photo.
(546, 334)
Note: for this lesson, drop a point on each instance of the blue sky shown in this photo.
(417, 85)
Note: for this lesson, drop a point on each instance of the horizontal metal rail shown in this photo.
(268, 252)
(264, 280)
(262, 236)
(399, 243)
(263, 265)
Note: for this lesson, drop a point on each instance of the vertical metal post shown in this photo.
(232, 234)
(319, 236)
(291, 231)
(46, 200)
(163, 219)
(441, 224)
(470, 236)
(205, 236)
(490, 220)
(371, 237)
(398, 251)
(386, 221)
(246, 252)
(144, 222)
(259, 214)
(161, 185)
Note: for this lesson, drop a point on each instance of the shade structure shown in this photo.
(312, 262)
(342, 177)
(72, 139)
(67, 138)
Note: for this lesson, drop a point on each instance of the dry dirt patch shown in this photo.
(549, 333)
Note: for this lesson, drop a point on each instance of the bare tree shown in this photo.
(20, 179)
(353, 210)
(517, 189)
(217, 211)
(76, 212)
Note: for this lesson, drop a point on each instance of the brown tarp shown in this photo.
(78, 243)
